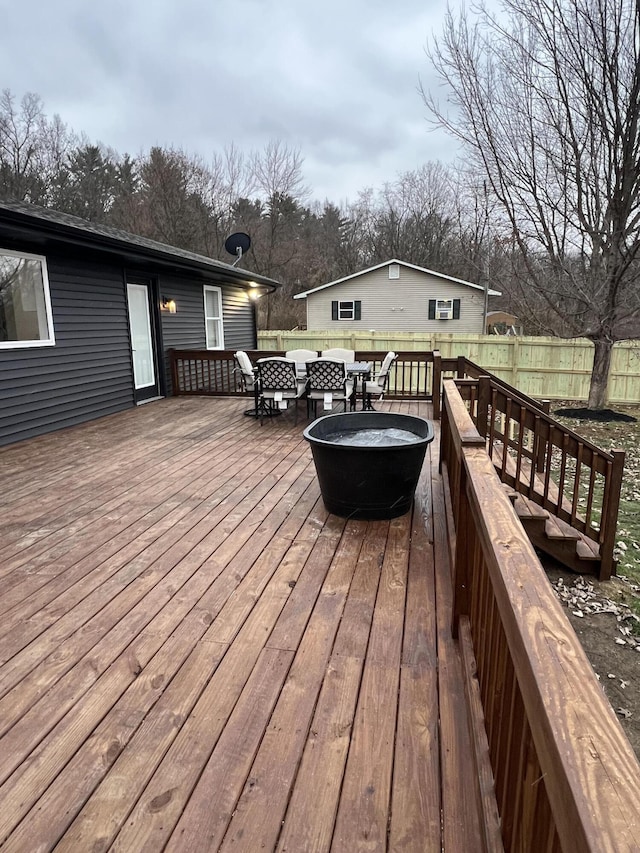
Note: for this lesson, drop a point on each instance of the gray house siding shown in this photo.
(186, 328)
(239, 319)
(400, 304)
(87, 373)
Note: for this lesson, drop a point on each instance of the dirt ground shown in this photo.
(610, 635)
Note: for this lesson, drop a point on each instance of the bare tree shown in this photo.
(546, 98)
(278, 171)
(31, 148)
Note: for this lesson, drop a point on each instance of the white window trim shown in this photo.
(51, 340)
(444, 306)
(205, 289)
(342, 302)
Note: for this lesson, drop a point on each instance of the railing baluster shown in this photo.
(520, 446)
(535, 453)
(591, 495)
(492, 422)
(505, 738)
(563, 470)
(576, 483)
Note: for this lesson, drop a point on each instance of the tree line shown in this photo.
(428, 217)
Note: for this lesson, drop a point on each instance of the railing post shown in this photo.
(484, 398)
(436, 384)
(463, 553)
(173, 370)
(461, 369)
(609, 519)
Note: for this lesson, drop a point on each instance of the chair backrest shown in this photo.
(301, 356)
(387, 361)
(327, 374)
(347, 355)
(246, 369)
(277, 374)
(383, 374)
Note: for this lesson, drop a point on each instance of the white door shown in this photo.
(144, 367)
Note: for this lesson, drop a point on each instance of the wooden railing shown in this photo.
(544, 460)
(415, 375)
(554, 768)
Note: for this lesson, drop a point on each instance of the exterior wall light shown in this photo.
(168, 304)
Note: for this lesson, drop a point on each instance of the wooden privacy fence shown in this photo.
(415, 375)
(546, 461)
(548, 367)
(546, 741)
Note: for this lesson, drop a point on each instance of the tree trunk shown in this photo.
(600, 374)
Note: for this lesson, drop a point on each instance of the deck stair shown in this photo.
(555, 537)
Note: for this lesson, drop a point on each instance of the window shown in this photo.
(25, 304)
(346, 309)
(394, 271)
(213, 317)
(444, 309)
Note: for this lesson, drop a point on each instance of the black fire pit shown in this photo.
(368, 463)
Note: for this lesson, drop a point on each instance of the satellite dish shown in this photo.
(237, 244)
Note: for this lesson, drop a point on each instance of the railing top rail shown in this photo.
(590, 770)
(475, 371)
(372, 355)
(533, 406)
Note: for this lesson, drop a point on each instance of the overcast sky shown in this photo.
(337, 79)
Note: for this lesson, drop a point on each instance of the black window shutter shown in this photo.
(432, 309)
(334, 309)
(456, 309)
(358, 310)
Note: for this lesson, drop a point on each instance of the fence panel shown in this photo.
(552, 368)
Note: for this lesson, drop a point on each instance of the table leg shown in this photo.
(365, 407)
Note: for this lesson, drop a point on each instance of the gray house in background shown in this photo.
(397, 297)
(87, 314)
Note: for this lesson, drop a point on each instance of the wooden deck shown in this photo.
(195, 656)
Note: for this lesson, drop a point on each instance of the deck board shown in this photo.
(195, 655)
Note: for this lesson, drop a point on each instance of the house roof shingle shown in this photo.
(64, 226)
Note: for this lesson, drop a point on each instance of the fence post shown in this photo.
(436, 384)
(609, 519)
(515, 355)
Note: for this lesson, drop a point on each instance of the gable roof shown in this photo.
(402, 264)
(24, 220)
